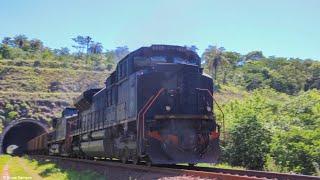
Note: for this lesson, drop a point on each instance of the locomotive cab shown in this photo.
(178, 118)
(156, 106)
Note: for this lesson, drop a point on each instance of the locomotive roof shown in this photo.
(161, 49)
(155, 50)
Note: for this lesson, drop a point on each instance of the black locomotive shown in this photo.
(157, 106)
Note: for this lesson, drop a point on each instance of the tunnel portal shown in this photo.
(19, 132)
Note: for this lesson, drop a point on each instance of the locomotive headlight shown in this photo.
(168, 108)
(209, 108)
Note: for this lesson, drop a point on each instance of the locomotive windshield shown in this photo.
(149, 61)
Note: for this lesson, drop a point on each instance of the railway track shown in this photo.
(252, 173)
(178, 170)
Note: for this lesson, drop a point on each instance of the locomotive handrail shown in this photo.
(143, 110)
(150, 104)
(223, 125)
(144, 106)
(138, 120)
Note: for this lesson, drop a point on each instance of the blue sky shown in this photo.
(288, 28)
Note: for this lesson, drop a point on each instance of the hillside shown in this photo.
(42, 91)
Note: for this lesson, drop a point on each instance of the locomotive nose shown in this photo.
(188, 141)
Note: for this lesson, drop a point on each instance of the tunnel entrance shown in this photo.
(16, 135)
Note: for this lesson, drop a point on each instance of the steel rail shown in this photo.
(152, 169)
(261, 174)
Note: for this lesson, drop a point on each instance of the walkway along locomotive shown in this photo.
(156, 106)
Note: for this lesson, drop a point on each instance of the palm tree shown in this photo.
(214, 58)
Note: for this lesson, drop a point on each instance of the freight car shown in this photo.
(38, 145)
(56, 141)
(156, 106)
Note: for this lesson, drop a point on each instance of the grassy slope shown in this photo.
(42, 91)
(30, 79)
(228, 93)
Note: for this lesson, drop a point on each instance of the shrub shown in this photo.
(248, 145)
(12, 115)
(9, 107)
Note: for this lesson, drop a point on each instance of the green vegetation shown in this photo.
(271, 104)
(26, 167)
(254, 71)
(274, 131)
(37, 82)
(271, 108)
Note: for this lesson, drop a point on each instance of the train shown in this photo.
(156, 106)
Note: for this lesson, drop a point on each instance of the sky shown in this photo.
(285, 28)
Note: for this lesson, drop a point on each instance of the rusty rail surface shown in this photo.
(260, 174)
(203, 172)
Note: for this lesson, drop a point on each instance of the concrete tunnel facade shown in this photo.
(19, 132)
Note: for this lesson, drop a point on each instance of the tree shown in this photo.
(229, 64)
(7, 41)
(95, 48)
(249, 143)
(254, 55)
(5, 51)
(11, 52)
(20, 41)
(313, 82)
(83, 42)
(87, 42)
(249, 127)
(255, 75)
(296, 151)
(213, 58)
(36, 45)
(289, 78)
(275, 131)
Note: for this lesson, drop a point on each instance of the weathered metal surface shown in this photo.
(94, 148)
(98, 135)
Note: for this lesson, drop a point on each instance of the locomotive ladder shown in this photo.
(220, 109)
(141, 116)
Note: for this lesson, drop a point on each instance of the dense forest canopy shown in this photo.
(271, 104)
